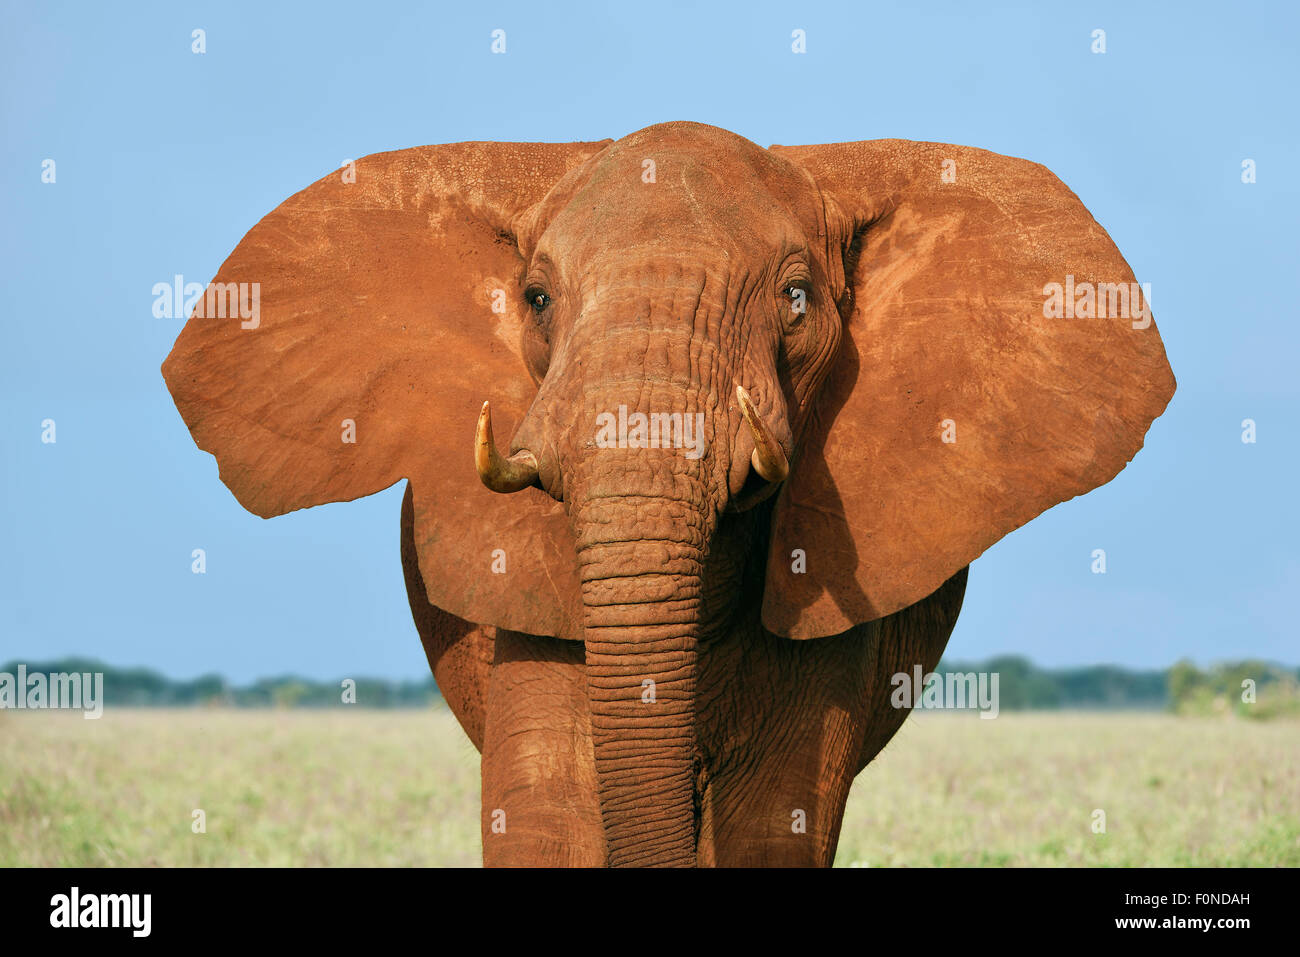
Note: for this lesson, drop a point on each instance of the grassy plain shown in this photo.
(394, 788)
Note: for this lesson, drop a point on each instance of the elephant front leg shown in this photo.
(780, 811)
(539, 775)
(785, 724)
(791, 723)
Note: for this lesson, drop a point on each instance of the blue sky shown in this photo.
(166, 158)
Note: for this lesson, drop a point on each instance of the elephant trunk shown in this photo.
(644, 470)
(641, 602)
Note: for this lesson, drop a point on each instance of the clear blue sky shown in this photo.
(166, 158)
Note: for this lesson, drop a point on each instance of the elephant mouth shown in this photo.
(769, 466)
(755, 491)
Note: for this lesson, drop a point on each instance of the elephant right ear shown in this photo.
(999, 357)
(380, 307)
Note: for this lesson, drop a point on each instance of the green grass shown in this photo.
(376, 788)
(278, 788)
(1021, 790)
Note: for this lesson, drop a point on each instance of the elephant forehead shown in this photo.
(685, 197)
(690, 181)
(697, 142)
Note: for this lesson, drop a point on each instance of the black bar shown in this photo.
(943, 907)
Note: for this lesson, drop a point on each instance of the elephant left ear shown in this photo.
(377, 309)
(998, 358)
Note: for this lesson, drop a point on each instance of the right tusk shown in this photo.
(500, 474)
(768, 458)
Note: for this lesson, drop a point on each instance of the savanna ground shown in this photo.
(401, 788)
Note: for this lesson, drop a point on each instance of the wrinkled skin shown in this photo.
(676, 659)
(782, 726)
(698, 304)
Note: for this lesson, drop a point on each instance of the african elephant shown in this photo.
(763, 408)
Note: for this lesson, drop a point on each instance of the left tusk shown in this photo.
(768, 458)
(501, 474)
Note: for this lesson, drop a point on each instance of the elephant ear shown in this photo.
(963, 402)
(369, 346)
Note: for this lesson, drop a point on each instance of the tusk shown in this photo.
(768, 459)
(498, 474)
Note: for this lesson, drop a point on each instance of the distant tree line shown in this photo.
(143, 688)
(1023, 686)
(1253, 689)
(1250, 689)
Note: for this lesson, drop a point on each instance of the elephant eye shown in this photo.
(539, 301)
(796, 295)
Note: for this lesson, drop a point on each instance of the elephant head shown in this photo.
(851, 348)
